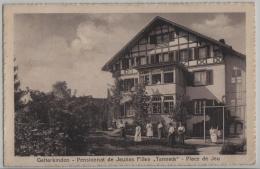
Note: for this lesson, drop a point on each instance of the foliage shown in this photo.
(180, 113)
(140, 102)
(114, 100)
(35, 138)
(53, 125)
(232, 148)
(60, 90)
(18, 93)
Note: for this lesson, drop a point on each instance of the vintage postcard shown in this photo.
(129, 85)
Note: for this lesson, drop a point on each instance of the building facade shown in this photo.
(177, 64)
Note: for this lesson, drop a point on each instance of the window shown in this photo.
(168, 77)
(203, 52)
(156, 105)
(173, 56)
(127, 84)
(143, 60)
(153, 39)
(236, 73)
(144, 79)
(156, 79)
(199, 106)
(218, 53)
(138, 61)
(155, 59)
(166, 37)
(160, 37)
(142, 47)
(166, 57)
(172, 36)
(168, 104)
(184, 55)
(236, 76)
(116, 67)
(128, 109)
(200, 78)
(192, 54)
(203, 78)
(132, 61)
(160, 57)
(125, 63)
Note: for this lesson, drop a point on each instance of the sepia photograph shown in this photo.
(130, 84)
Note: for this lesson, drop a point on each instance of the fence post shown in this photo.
(204, 114)
(223, 139)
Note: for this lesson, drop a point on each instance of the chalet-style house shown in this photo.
(175, 64)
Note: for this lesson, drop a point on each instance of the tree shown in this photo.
(114, 100)
(180, 111)
(140, 102)
(18, 93)
(60, 90)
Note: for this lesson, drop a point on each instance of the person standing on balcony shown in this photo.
(149, 130)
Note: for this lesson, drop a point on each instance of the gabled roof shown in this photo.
(159, 19)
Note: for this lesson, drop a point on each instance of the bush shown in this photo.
(231, 148)
(228, 148)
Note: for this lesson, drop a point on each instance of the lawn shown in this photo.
(103, 144)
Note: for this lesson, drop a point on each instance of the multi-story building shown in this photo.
(177, 64)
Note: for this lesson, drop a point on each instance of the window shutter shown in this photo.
(209, 77)
(121, 85)
(190, 53)
(208, 51)
(196, 53)
(135, 81)
(190, 79)
(177, 55)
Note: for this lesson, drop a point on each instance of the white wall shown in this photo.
(161, 89)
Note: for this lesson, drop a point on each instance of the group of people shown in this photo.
(174, 133)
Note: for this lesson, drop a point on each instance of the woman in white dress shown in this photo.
(138, 136)
(149, 129)
(213, 135)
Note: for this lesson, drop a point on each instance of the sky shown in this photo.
(74, 47)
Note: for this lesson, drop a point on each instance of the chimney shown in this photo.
(222, 41)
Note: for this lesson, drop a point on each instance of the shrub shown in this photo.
(231, 148)
(228, 148)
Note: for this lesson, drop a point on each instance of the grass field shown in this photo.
(103, 144)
